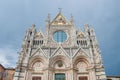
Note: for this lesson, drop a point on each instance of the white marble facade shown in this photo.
(63, 52)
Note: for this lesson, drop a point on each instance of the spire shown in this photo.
(33, 26)
(33, 29)
(72, 19)
(86, 27)
(48, 18)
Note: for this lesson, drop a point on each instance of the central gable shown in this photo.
(60, 52)
(60, 20)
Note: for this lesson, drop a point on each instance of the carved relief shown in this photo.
(81, 66)
(59, 64)
(38, 66)
(60, 20)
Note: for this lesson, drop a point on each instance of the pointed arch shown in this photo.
(36, 59)
(62, 58)
(81, 59)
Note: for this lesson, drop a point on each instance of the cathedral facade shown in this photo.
(62, 53)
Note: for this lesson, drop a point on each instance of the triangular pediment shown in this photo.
(80, 52)
(39, 35)
(60, 20)
(60, 52)
(80, 34)
(39, 52)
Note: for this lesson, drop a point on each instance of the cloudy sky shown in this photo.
(103, 15)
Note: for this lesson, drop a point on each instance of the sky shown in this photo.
(16, 16)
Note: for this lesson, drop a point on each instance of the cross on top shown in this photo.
(60, 9)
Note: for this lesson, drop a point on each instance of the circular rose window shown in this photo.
(60, 36)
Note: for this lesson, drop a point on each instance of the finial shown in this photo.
(87, 25)
(48, 15)
(72, 17)
(33, 25)
(60, 9)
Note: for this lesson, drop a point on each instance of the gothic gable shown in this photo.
(39, 52)
(80, 34)
(39, 35)
(60, 20)
(81, 52)
(60, 51)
